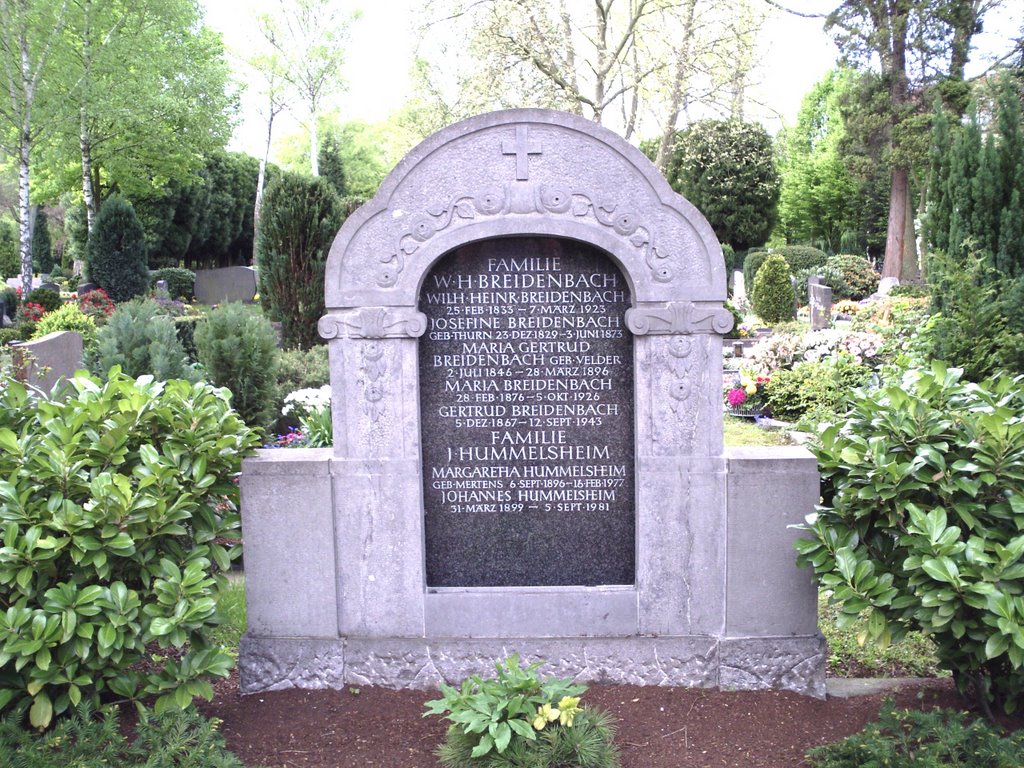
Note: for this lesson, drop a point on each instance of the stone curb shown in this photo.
(848, 687)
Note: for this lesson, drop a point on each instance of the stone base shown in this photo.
(792, 663)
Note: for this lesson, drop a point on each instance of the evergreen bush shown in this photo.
(140, 339)
(116, 251)
(185, 327)
(10, 258)
(773, 298)
(798, 257)
(9, 297)
(41, 247)
(68, 318)
(859, 277)
(300, 218)
(181, 282)
(117, 498)
(238, 348)
(47, 298)
(824, 385)
(919, 526)
(936, 739)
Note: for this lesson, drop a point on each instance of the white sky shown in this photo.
(796, 54)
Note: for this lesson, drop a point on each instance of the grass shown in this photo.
(231, 606)
(913, 656)
(744, 432)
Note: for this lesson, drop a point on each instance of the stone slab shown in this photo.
(224, 285)
(774, 663)
(45, 362)
(531, 612)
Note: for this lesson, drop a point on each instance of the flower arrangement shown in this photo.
(863, 347)
(846, 307)
(96, 304)
(30, 312)
(745, 331)
(312, 408)
(519, 718)
(293, 438)
(744, 395)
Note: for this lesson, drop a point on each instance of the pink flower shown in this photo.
(736, 397)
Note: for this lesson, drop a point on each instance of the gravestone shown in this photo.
(225, 285)
(525, 333)
(819, 297)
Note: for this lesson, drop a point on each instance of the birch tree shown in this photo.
(29, 30)
(308, 39)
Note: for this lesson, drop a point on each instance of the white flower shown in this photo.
(307, 400)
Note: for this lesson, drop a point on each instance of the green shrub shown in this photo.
(140, 339)
(9, 297)
(729, 255)
(116, 251)
(920, 525)
(20, 332)
(790, 393)
(520, 719)
(10, 255)
(936, 739)
(47, 298)
(859, 278)
(181, 283)
(298, 223)
(303, 369)
(114, 500)
(737, 321)
(798, 257)
(68, 318)
(174, 739)
(41, 247)
(185, 328)
(908, 291)
(772, 297)
(238, 348)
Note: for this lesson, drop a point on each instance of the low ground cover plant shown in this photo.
(921, 522)
(178, 739)
(518, 718)
(113, 504)
(936, 739)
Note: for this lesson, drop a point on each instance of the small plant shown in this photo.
(773, 297)
(859, 278)
(519, 718)
(11, 299)
(238, 348)
(87, 740)
(936, 739)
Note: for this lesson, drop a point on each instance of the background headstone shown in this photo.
(220, 286)
(819, 297)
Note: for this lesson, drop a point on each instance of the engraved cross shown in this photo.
(522, 149)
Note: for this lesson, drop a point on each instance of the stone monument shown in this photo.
(819, 300)
(525, 329)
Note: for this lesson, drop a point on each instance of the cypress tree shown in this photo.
(966, 155)
(42, 248)
(986, 200)
(939, 209)
(116, 251)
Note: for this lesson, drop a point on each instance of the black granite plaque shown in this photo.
(526, 407)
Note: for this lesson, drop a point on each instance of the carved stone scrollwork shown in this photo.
(528, 198)
(678, 317)
(373, 323)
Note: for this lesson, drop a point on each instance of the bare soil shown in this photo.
(658, 727)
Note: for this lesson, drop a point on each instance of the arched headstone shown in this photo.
(526, 369)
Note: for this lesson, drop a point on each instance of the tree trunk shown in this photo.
(261, 181)
(314, 146)
(88, 195)
(25, 211)
(679, 79)
(895, 240)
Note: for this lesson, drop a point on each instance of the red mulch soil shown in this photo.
(658, 727)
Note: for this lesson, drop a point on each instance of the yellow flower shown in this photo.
(545, 714)
(567, 709)
(751, 388)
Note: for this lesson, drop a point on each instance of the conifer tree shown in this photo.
(42, 248)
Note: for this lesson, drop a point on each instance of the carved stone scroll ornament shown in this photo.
(525, 198)
(678, 317)
(373, 323)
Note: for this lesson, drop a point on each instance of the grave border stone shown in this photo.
(352, 605)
